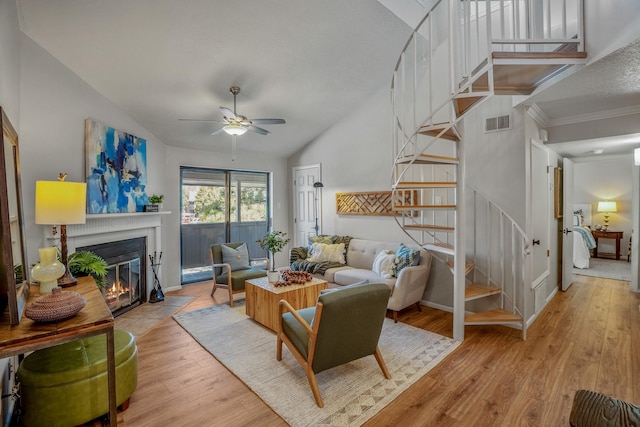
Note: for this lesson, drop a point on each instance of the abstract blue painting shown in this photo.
(116, 170)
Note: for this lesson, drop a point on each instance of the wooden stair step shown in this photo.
(480, 290)
(497, 316)
(467, 267)
(423, 207)
(428, 227)
(443, 248)
(464, 103)
(444, 130)
(428, 159)
(412, 185)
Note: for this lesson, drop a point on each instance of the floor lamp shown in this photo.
(317, 185)
(61, 203)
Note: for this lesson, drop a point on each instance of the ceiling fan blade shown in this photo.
(228, 113)
(201, 120)
(256, 129)
(268, 121)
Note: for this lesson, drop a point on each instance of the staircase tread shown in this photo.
(497, 315)
(479, 290)
(435, 129)
(428, 159)
(428, 184)
(429, 227)
(467, 267)
(540, 55)
(442, 248)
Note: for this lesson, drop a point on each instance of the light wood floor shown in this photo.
(587, 337)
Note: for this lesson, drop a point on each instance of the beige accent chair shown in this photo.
(344, 325)
(232, 280)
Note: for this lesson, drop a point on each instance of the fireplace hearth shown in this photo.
(125, 283)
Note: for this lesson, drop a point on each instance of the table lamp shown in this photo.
(61, 203)
(607, 207)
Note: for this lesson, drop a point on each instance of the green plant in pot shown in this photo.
(155, 199)
(86, 263)
(273, 242)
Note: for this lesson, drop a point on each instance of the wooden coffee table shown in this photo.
(262, 298)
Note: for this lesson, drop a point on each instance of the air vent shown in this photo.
(494, 124)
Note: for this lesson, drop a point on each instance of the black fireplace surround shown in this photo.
(125, 284)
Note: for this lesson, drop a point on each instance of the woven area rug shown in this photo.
(607, 268)
(352, 393)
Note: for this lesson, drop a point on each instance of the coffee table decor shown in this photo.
(289, 278)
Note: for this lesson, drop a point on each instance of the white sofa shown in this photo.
(406, 289)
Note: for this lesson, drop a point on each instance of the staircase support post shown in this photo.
(459, 283)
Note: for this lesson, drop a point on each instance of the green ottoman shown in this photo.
(67, 385)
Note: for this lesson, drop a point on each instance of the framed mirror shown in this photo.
(14, 270)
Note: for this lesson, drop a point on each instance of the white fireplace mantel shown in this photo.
(105, 228)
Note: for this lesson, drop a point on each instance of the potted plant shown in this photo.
(273, 242)
(156, 202)
(86, 263)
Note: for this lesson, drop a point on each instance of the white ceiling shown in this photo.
(308, 62)
(608, 87)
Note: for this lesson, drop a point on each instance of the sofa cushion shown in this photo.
(351, 276)
(321, 252)
(407, 257)
(385, 264)
(237, 258)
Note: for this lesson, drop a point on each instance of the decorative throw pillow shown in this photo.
(406, 257)
(319, 239)
(384, 265)
(322, 252)
(237, 258)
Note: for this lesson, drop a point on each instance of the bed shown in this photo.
(583, 241)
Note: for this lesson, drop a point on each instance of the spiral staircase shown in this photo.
(460, 54)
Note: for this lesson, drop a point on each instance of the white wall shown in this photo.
(10, 61)
(355, 155)
(54, 104)
(607, 180)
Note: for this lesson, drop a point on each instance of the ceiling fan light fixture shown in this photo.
(234, 129)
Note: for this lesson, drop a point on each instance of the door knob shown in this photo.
(566, 231)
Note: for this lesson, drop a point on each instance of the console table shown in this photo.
(94, 319)
(598, 234)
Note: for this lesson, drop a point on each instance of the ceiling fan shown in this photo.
(236, 124)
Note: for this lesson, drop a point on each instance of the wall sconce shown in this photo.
(317, 185)
(636, 156)
(61, 203)
(607, 207)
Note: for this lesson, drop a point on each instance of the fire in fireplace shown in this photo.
(125, 284)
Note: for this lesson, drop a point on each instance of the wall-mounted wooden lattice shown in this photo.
(371, 203)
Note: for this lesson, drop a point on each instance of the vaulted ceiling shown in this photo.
(308, 62)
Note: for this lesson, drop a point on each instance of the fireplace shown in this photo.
(125, 283)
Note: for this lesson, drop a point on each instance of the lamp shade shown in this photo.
(607, 206)
(60, 202)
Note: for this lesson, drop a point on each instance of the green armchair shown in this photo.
(344, 325)
(232, 266)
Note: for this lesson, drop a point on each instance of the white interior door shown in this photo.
(307, 210)
(567, 223)
(541, 213)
